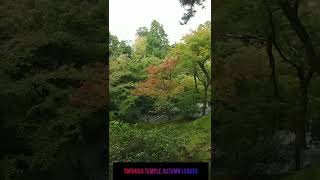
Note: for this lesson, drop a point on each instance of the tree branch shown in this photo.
(284, 58)
(292, 16)
(244, 37)
(204, 70)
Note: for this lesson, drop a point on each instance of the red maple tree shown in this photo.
(160, 83)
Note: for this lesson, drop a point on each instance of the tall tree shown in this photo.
(198, 46)
(151, 42)
(157, 43)
(139, 47)
(291, 54)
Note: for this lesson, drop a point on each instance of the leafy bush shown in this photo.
(135, 143)
(187, 104)
(167, 141)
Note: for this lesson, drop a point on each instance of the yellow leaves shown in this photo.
(187, 81)
(178, 89)
(139, 47)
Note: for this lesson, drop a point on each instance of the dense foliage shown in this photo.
(52, 91)
(265, 81)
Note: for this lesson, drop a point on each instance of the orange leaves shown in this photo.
(166, 68)
(149, 87)
(168, 65)
(160, 83)
(152, 70)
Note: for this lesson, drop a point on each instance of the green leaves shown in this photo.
(136, 143)
(117, 48)
(170, 141)
(151, 42)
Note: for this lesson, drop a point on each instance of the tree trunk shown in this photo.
(205, 72)
(195, 80)
(291, 14)
(205, 100)
(272, 63)
(297, 155)
(299, 142)
(301, 121)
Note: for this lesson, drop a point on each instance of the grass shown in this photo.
(197, 135)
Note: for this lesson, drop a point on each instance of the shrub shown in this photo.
(138, 143)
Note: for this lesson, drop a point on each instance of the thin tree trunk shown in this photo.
(195, 80)
(301, 121)
(274, 81)
(205, 100)
(272, 63)
(297, 154)
(205, 72)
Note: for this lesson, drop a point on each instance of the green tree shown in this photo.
(157, 41)
(195, 53)
(154, 39)
(124, 74)
(117, 48)
(139, 47)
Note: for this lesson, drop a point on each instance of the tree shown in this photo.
(161, 86)
(124, 74)
(291, 54)
(139, 47)
(117, 48)
(156, 40)
(291, 11)
(190, 10)
(142, 32)
(195, 51)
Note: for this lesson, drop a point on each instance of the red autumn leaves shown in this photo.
(160, 82)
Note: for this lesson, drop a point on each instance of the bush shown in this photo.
(187, 104)
(137, 143)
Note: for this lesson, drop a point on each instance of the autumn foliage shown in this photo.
(160, 83)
